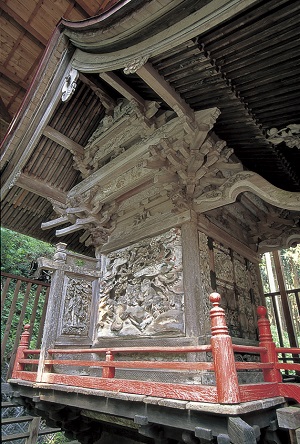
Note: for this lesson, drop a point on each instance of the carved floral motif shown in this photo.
(141, 291)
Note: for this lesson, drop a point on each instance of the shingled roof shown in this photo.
(240, 57)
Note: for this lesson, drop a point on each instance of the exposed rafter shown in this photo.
(40, 188)
(120, 86)
(164, 90)
(64, 141)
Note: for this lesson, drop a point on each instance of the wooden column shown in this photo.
(193, 291)
(53, 308)
(284, 299)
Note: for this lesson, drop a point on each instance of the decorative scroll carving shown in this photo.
(132, 66)
(77, 307)
(247, 181)
(97, 221)
(141, 292)
(70, 85)
(290, 135)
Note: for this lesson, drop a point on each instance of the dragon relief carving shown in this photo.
(141, 291)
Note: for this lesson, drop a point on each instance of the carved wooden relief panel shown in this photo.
(141, 292)
(77, 307)
(236, 279)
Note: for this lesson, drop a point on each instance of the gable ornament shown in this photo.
(70, 85)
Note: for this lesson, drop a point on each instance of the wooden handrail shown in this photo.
(226, 391)
(184, 349)
(24, 279)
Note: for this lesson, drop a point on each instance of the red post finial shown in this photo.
(25, 336)
(261, 311)
(217, 316)
(215, 299)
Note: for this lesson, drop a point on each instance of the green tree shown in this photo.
(18, 251)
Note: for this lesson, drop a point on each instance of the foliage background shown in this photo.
(17, 253)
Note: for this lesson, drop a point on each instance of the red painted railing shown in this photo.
(226, 391)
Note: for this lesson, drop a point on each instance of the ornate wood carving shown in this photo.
(289, 135)
(70, 85)
(141, 290)
(77, 307)
(237, 279)
(139, 150)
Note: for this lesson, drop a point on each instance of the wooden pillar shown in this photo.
(53, 309)
(284, 299)
(33, 431)
(193, 291)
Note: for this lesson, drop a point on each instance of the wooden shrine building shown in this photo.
(158, 147)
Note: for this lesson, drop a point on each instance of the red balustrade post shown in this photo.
(266, 340)
(108, 372)
(24, 344)
(224, 364)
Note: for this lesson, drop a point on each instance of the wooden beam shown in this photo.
(19, 83)
(4, 114)
(63, 140)
(164, 90)
(84, 4)
(38, 38)
(121, 87)
(54, 223)
(105, 99)
(40, 188)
